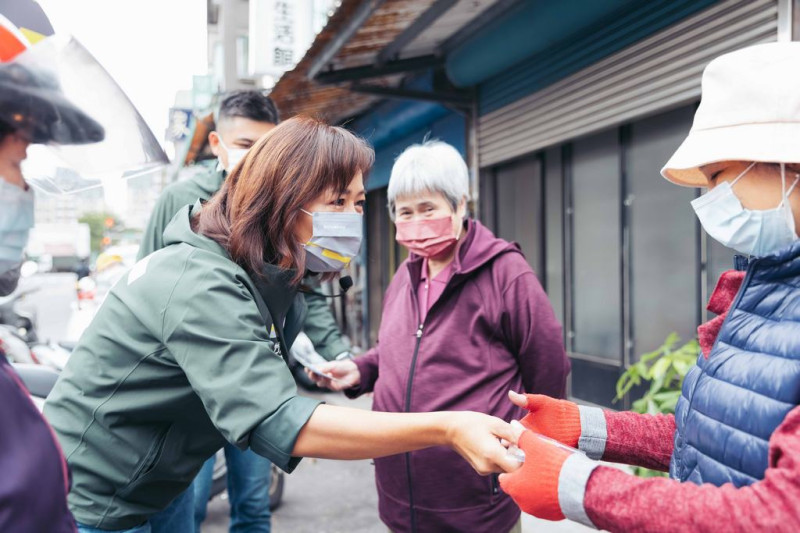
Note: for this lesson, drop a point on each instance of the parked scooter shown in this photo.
(10, 315)
(38, 379)
(20, 340)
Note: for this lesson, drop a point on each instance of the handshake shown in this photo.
(535, 449)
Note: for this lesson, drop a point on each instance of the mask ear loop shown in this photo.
(786, 193)
(743, 173)
(783, 181)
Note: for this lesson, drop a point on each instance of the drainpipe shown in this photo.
(473, 157)
(788, 20)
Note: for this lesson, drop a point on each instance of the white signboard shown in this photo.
(280, 33)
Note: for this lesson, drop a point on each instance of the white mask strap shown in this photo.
(743, 173)
(789, 192)
(306, 212)
(785, 192)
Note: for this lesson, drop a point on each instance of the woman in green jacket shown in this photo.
(187, 351)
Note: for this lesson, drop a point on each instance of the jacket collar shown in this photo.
(179, 230)
(274, 285)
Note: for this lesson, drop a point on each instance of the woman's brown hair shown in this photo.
(254, 213)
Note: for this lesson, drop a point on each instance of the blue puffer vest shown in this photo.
(733, 401)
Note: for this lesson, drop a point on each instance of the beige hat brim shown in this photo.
(766, 142)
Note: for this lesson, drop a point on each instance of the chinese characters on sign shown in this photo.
(283, 51)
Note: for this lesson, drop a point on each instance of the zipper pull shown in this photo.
(419, 331)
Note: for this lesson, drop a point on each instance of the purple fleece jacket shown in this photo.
(33, 473)
(491, 331)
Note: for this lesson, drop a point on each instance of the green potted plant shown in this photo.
(664, 369)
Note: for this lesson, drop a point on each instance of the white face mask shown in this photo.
(335, 240)
(234, 155)
(16, 221)
(748, 231)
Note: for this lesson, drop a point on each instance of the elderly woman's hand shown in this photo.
(346, 375)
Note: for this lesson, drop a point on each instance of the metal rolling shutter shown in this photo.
(658, 73)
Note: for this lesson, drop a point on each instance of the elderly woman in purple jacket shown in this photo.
(464, 321)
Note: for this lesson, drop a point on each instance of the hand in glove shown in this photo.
(558, 419)
(535, 486)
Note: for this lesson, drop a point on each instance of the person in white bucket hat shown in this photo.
(732, 448)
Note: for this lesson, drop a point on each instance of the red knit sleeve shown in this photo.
(616, 501)
(641, 440)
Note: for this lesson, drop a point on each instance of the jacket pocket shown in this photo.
(151, 458)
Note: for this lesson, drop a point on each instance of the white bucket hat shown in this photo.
(750, 111)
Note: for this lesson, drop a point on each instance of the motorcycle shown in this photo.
(38, 379)
(19, 339)
(10, 316)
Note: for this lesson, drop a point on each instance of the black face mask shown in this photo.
(9, 280)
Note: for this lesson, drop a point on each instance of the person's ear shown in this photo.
(461, 211)
(213, 143)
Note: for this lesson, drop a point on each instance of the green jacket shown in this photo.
(320, 325)
(178, 360)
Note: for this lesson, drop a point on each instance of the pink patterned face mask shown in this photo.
(427, 238)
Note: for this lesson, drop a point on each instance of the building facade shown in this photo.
(565, 112)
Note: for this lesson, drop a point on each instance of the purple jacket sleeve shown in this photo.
(534, 335)
(35, 480)
(368, 366)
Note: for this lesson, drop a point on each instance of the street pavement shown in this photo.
(321, 496)
(325, 496)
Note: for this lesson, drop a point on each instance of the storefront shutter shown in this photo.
(658, 73)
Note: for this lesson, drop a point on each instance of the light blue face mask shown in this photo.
(16, 221)
(752, 232)
(335, 240)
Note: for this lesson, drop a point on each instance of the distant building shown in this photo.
(251, 43)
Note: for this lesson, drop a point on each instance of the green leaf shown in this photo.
(668, 406)
(659, 369)
(652, 408)
(640, 471)
(639, 406)
(683, 366)
(668, 395)
(669, 379)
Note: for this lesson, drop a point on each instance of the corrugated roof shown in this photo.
(296, 94)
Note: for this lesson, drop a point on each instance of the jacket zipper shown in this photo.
(495, 484)
(411, 371)
(408, 410)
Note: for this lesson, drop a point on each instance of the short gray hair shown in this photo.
(433, 166)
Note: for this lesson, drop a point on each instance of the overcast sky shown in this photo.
(151, 47)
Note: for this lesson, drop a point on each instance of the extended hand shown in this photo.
(476, 437)
(346, 372)
(558, 419)
(534, 487)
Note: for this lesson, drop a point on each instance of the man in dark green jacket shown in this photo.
(243, 118)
